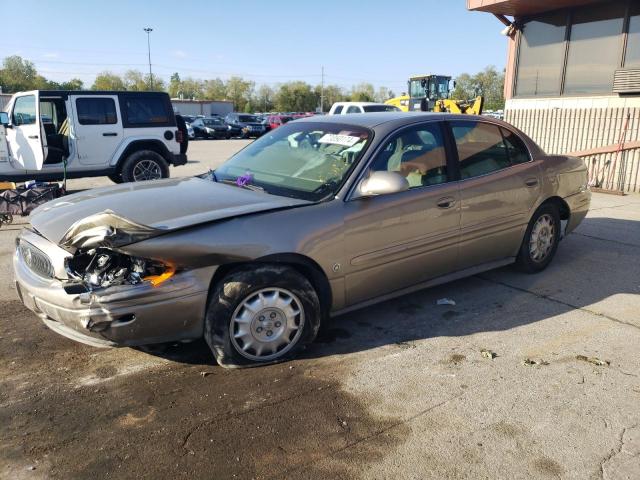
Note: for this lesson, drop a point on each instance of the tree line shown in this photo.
(18, 74)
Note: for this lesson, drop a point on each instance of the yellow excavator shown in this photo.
(431, 93)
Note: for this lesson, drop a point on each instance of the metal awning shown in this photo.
(519, 8)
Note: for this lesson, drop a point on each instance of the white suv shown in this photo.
(127, 136)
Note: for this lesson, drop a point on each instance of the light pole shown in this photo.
(149, 30)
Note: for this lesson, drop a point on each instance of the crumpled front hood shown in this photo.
(162, 205)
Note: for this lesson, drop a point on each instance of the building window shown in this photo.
(542, 55)
(594, 48)
(632, 59)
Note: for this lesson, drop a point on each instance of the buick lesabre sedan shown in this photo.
(318, 217)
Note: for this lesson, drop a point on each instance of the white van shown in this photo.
(342, 108)
(127, 136)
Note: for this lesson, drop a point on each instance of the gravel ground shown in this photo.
(399, 390)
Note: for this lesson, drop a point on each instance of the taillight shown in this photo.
(179, 136)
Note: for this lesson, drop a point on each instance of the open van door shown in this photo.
(25, 133)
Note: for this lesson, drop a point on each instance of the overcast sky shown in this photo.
(376, 41)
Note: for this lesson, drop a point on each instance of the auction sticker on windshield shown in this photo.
(345, 140)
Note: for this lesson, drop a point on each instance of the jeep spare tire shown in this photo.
(144, 165)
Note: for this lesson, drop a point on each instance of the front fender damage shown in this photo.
(98, 261)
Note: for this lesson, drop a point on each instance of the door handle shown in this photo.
(110, 134)
(446, 202)
(35, 137)
(531, 182)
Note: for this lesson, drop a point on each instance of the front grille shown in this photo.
(35, 259)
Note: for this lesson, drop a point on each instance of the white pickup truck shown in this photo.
(127, 136)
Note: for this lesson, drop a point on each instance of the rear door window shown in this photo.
(96, 111)
(518, 152)
(481, 148)
(146, 111)
(354, 109)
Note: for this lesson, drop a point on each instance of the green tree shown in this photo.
(383, 94)
(214, 89)
(239, 92)
(73, 84)
(363, 92)
(332, 94)
(174, 85)
(192, 89)
(264, 98)
(489, 83)
(18, 74)
(296, 97)
(108, 81)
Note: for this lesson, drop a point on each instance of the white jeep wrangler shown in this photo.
(127, 136)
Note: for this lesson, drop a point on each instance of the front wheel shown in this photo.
(540, 240)
(144, 165)
(261, 315)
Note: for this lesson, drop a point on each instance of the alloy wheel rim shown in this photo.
(543, 236)
(147, 170)
(267, 324)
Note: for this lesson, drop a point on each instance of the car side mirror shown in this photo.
(381, 183)
(4, 118)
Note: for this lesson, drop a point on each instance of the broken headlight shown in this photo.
(101, 268)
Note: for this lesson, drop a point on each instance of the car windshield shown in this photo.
(248, 118)
(212, 121)
(380, 108)
(305, 160)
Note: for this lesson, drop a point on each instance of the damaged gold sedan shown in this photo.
(313, 219)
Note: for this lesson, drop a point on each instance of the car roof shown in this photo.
(370, 120)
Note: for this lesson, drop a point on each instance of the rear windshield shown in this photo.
(380, 108)
(248, 118)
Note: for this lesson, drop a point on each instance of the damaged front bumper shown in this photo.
(122, 315)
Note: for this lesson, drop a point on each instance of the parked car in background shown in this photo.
(190, 132)
(127, 136)
(300, 225)
(275, 121)
(250, 125)
(342, 108)
(214, 127)
(189, 118)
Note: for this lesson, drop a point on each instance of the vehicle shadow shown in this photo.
(592, 265)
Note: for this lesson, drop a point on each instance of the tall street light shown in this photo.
(149, 30)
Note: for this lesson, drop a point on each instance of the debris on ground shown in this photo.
(488, 354)
(593, 360)
(445, 301)
(204, 374)
(532, 362)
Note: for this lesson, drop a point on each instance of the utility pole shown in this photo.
(322, 92)
(149, 30)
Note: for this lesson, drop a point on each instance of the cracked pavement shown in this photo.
(395, 390)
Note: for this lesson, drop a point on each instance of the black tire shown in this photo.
(116, 177)
(526, 260)
(228, 136)
(235, 290)
(136, 158)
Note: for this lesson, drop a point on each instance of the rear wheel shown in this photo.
(261, 315)
(540, 240)
(144, 165)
